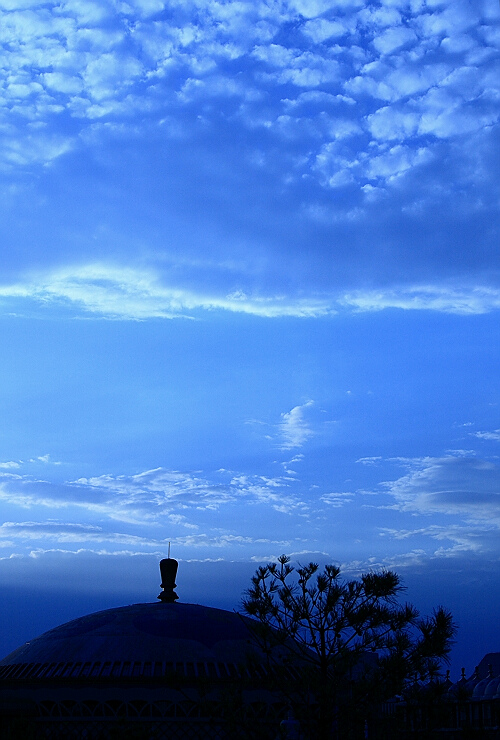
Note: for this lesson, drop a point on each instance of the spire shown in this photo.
(168, 571)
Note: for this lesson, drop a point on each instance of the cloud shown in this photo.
(390, 123)
(135, 294)
(462, 301)
(16, 533)
(321, 29)
(151, 497)
(127, 293)
(396, 162)
(337, 500)
(463, 539)
(300, 68)
(136, 110)
(149, 61)
(465, 486)
(393, 39)
(372, 460)
(294, 428)
(495, 435)
(59, 531)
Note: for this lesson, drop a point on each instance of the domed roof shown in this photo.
(480, 688)
(491, 689)
(143, 639)
(165, 668)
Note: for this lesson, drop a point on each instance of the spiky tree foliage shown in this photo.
(352, 643)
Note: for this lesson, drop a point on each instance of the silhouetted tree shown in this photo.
(351, 643)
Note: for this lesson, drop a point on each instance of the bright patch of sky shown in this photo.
(249, 292)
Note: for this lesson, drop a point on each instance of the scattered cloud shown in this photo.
(337, 500)
(462, 539)
(494, 435)
(147, 511)
(150, 497)
(294, 427)
(455, 485)
(373, 460)
(14, 464)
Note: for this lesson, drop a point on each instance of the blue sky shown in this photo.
(249, 300)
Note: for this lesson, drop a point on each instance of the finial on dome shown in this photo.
(168, 571)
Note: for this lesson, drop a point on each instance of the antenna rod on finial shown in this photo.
(169, 550)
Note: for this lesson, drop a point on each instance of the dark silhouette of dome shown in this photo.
(138, 640)
(165, 667)
(146, 640)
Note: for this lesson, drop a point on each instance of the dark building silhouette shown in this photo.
(156, 670)
(469, 708)
(172, 671)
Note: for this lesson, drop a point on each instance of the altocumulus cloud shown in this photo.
(423, 75)
(393, 105)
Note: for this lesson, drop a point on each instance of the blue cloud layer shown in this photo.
(311, 149)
